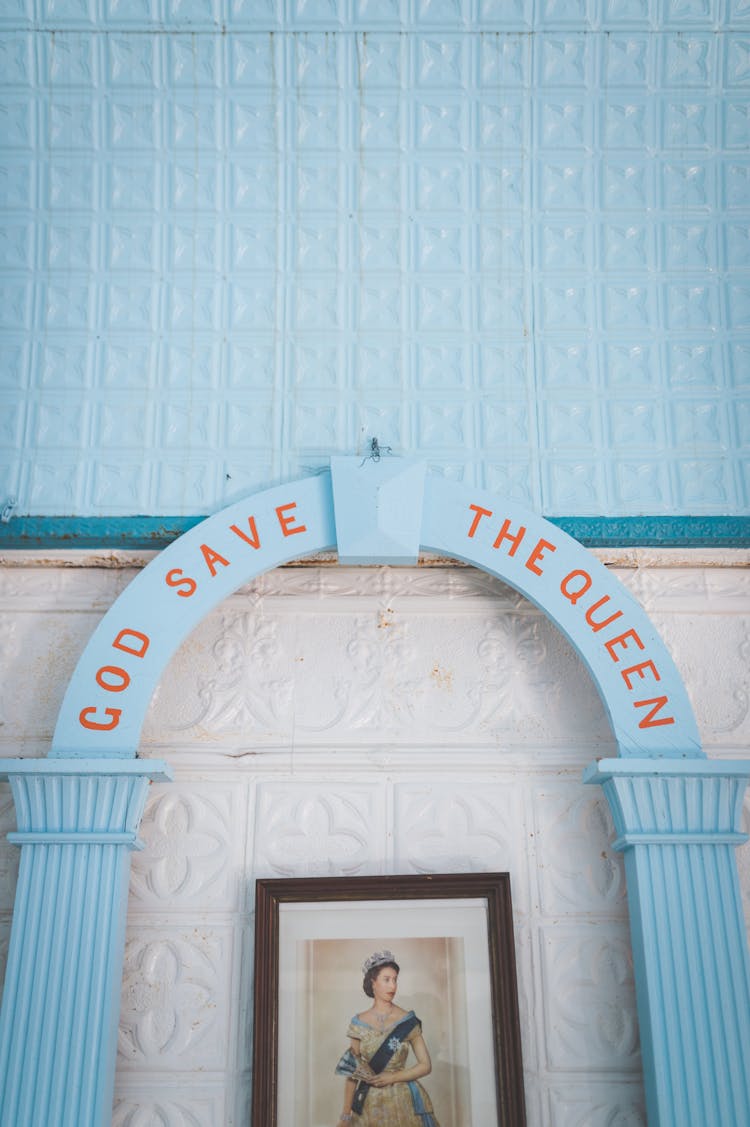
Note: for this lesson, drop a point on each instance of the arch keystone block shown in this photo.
(378, 509)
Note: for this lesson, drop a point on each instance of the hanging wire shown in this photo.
(376, 452)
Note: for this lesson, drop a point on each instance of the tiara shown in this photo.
(377, 959)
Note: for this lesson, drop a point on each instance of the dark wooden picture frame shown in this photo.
(493, 889)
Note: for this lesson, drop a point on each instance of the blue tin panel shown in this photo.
(144, 532)
(509, 239)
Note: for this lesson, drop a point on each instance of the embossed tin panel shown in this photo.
(287, 763)
(507, 238)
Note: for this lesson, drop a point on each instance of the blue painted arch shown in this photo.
(108, 696)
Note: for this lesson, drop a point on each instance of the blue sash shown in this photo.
(380, 1058)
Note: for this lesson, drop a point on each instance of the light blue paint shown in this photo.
(530, 545)
(166, 614)
(77, 823)
(677, 818)
(378, 509)
(173, 593)
(136, 533)
(510, 238)
(678, 825)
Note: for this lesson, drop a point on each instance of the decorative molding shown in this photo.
(658, 799)
(658, 531)
(146, 533)
(119, 533)
(82, 799)
(678, 824)
(77, 823)
(115, 559)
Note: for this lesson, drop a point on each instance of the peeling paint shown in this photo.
(631, 558)
(383, 620)
(443, 678)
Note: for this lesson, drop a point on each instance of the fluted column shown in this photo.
(77, 825)
(678, 825)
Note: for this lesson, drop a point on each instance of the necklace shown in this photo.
(381, 1019)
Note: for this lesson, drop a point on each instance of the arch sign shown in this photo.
(375, 511)
(675, 812)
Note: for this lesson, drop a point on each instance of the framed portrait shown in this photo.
(386, 1000)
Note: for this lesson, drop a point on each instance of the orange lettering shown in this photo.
(480, 513)
(113, 713)
(639, 669)
(253, 540)
(113, 671)
(287, 522)
(175, 578)
(620, 640)
(211, 557)
(506, 534)
(595, 626)
(142, 638)
(648, 721)
(542, 547)
(574, 596)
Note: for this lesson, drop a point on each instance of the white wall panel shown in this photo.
(330, 720)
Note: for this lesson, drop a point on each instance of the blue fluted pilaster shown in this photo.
(77, 825)
(678, 825)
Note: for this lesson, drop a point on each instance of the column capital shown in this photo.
(80, 801)
(77, 822)
(677, 822)
(673, 802)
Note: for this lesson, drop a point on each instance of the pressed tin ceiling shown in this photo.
(510, 239)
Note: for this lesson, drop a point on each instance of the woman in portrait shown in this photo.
(381, 1088)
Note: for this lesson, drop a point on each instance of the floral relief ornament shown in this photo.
(513, 652)
(168, 1001)
(248, 689)
(187, 849)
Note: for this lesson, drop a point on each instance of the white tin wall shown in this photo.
(348, 721)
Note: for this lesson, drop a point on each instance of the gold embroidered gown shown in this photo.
(403, 1104)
